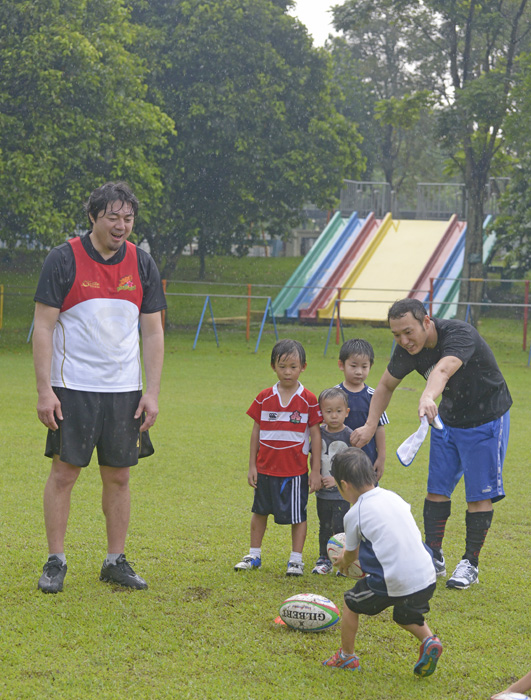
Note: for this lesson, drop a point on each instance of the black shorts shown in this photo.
(407, 610)
(104, 421)
(284, 497)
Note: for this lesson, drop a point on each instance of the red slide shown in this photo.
(437, 259)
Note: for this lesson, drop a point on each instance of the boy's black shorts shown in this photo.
(284, 497)
(104, 421)
(407, 610)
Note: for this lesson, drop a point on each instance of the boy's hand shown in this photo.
(252, 476)
(339, 559)
(328, 482)
(379, 466)
(314, 481)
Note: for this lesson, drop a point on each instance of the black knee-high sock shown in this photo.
(436, 513)
(477, 526)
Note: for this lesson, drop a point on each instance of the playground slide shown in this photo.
(310, 261)
(446, 288)
(449, 243)
(344, 264)
(394, 259)
(321, 274)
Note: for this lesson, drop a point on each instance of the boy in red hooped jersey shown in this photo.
(286, 416)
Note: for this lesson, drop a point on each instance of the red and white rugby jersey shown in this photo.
(284, 431)
(95, 340)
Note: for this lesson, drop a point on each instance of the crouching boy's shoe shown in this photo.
(350, 662)
(121, 573)
(430, 650)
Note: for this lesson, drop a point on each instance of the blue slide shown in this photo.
(322, 273)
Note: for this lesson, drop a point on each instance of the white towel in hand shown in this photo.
(409, 448)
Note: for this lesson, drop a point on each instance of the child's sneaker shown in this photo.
(295, 568)
(464, 575)
(248, 563)
(430, 650)
(350, 662)
(440, 567)
(322, 566)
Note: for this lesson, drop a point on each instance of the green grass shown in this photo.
(203, 630)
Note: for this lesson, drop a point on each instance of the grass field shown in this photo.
(202, 630)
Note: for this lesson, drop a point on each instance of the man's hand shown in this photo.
(428, 408)
(49, 406)
(150, 405)
(361, 436)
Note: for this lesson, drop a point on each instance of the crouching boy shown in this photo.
(382, 533)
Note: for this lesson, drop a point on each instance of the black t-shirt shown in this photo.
(59, 271)
(477, 392)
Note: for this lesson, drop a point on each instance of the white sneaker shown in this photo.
(322, 566)
(248, 563)
(295, 568)
(464, 575)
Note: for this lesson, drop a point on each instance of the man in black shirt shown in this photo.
(94, 292)
(459, 367)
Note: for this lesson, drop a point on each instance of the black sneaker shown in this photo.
(53, 575)
(122, 574)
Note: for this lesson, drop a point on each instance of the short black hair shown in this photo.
(108, 193)
(403, 306)
(356, 346)
(286, 347)
(334, 392)
(354, 467)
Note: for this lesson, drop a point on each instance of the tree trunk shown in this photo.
(471, 290)
(201, 249)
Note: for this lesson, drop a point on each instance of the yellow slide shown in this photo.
(388, 268)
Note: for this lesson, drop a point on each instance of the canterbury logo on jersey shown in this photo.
(126, 284)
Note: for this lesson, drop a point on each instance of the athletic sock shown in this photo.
(112, 557)
(296, 557)
(255, 552)
(436, 513)
(60, 556)
(477, 526)
(344, 655)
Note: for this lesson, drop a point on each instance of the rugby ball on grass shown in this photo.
(334, 547)
(309, 612)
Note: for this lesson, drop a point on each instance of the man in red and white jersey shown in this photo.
(93, 293)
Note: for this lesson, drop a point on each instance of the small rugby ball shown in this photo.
(334, 547)
(309, 612)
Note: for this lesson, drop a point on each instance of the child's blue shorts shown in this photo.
(284, 497)
(477, 453)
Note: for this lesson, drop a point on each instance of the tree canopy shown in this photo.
(72, 114)
(257, 133)
(220, 114)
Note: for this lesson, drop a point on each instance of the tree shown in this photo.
(479, 43)
(376, 64)
(513, 226)
(257, 133)
(72, 114)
